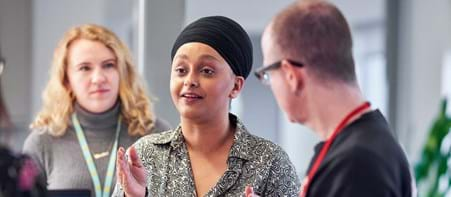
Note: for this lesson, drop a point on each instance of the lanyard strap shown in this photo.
(329, 141)
(90, 162)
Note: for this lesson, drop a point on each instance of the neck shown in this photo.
(207, 136)
(98, 121)
(328, 106)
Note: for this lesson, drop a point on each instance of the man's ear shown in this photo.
(237, 86)
(293, 75)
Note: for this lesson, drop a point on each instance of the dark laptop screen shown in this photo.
(69, 193)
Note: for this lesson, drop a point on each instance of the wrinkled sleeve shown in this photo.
(118, 192)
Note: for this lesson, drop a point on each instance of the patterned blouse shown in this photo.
(252, 161)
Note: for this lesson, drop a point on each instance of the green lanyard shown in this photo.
(90, 162)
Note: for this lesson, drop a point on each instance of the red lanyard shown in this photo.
(326, 146)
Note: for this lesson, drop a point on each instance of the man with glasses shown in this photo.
(307, 51)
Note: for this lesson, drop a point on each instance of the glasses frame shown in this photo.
(263, 75)
(2, 65)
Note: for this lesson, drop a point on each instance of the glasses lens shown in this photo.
(265, 78)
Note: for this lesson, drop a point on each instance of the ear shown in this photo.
(66, 82)
(237, 86)
(293, 75)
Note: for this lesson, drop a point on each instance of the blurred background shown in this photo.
(402, 51)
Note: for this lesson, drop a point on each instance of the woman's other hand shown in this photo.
(249, 192)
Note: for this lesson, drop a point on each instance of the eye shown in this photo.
(84, 68)
(207, 71)
(109, 65)
(180, 70)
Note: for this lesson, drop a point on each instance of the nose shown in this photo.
(98, 76)
(191, 81)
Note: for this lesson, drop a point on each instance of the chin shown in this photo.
(192, 115)
(295, 119)
(100, 108)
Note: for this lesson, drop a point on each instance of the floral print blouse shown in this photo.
(252, 161)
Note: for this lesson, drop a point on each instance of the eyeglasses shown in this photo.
(262, 73)
(2, 65)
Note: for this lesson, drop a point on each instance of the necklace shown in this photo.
(104, 153)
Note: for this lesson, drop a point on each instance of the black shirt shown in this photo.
(364, 160)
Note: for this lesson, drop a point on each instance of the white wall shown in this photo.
(253, 15)
(425, 31)
(15, 43)
(163, 22)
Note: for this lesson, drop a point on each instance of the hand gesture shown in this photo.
(131, 174)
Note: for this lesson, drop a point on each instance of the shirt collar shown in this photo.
(241, 148)
(243, 143)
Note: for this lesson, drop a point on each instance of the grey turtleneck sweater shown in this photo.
(61, 158)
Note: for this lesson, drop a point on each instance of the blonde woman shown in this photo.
(94, 102)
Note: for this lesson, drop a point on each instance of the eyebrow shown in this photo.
(202, 57)
(109, 60)
(208, 57)
(104, 61)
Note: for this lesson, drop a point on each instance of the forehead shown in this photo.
(88, 49)
(194, 51)
(269, 47)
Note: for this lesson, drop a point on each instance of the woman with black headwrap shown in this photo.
(210, 153)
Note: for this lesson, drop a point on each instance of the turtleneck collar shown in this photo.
(98, 121)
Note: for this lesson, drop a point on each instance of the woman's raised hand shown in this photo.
(131, 174)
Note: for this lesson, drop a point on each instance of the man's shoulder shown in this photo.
(371, 151)
(365, 171)
(369, 137)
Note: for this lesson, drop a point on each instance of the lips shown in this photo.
(99, 91)
(191, 96)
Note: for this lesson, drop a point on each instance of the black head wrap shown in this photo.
(224, 35)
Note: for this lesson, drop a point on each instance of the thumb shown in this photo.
(134, 158)
(249, 191)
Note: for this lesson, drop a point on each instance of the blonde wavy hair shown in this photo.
(58, 100)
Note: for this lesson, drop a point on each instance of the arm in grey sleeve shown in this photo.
(35, 147)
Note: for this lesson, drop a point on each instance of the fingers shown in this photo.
(120, 158)
(121, 166)
(134, 158)
(122, 169)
